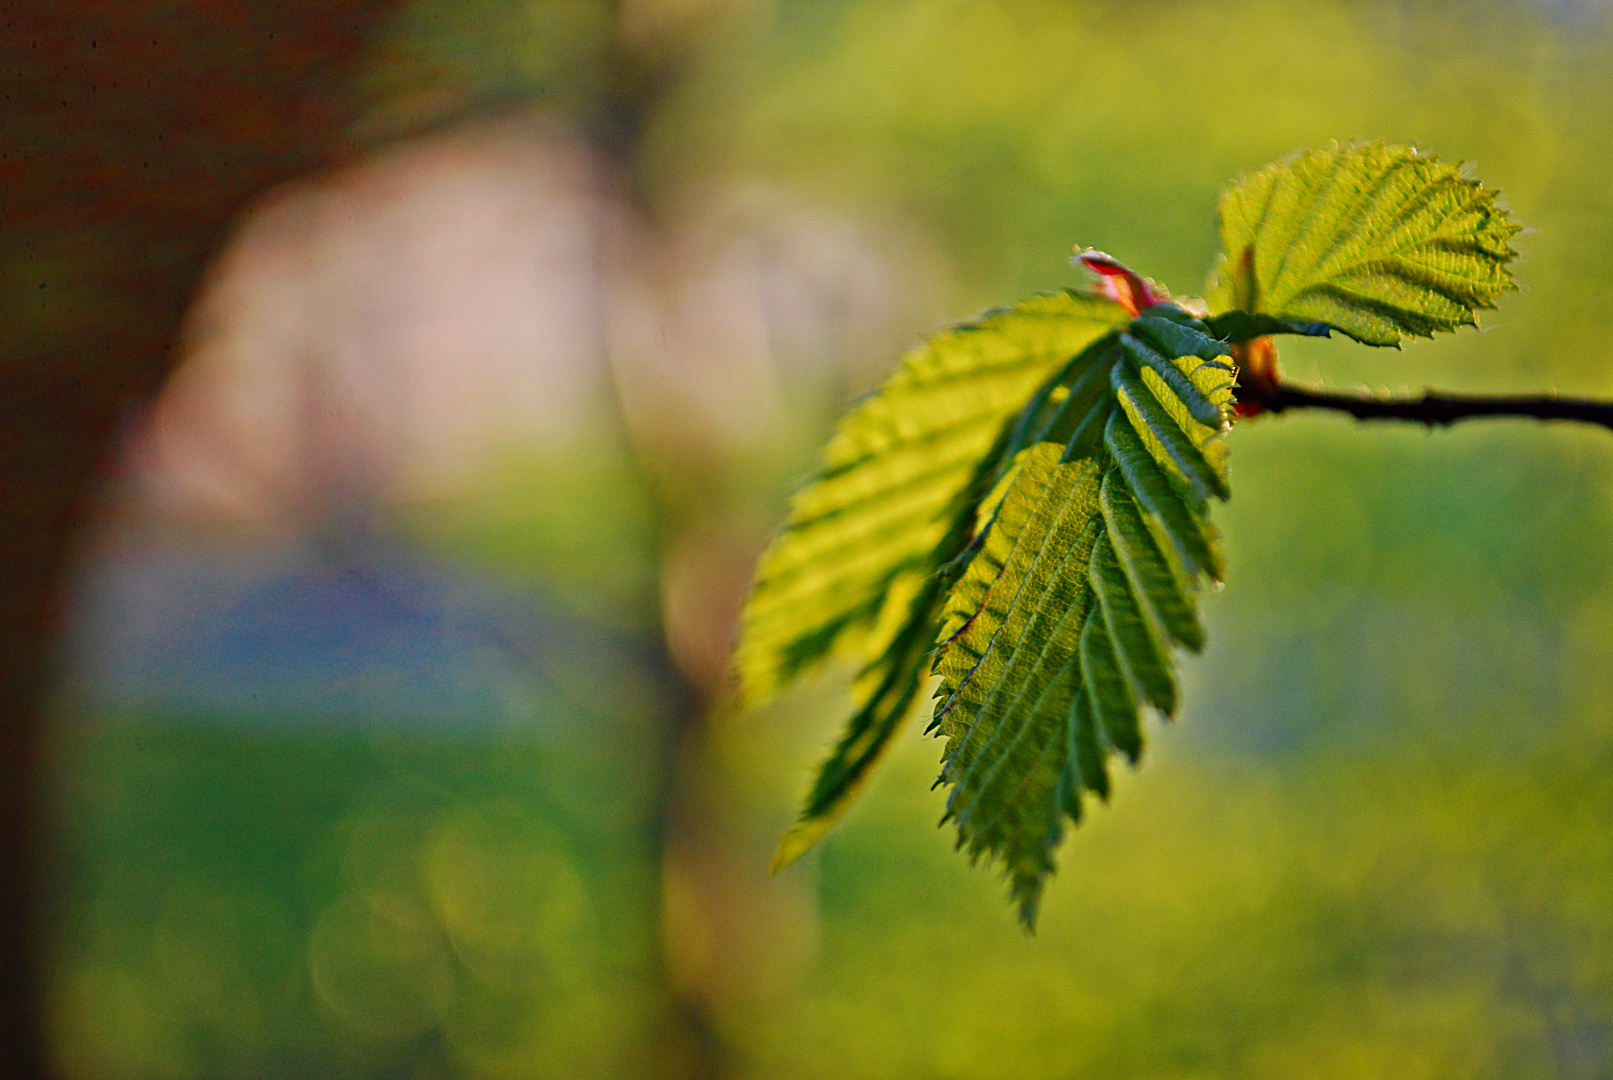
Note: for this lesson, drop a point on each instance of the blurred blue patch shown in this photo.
(311, 634)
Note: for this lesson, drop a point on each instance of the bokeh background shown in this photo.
(394, 739)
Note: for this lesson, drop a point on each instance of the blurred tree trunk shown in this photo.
(132, 132)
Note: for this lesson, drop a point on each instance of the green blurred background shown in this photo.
(445, 784)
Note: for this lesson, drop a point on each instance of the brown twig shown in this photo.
(1431, 408)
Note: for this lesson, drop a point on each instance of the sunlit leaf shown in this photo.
(1380, 242)
(854, 571)
(1023, 510)
(1047, 633)
(1059, 632)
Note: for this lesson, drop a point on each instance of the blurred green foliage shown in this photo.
(1425, 915)
(1377, 842)
(259, 905)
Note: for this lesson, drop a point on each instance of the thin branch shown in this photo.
(1431, 408)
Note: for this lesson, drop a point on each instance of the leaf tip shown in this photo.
(802, 838)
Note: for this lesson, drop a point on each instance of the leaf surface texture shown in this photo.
(1380, 242)
(856, 571)
(1062, 627)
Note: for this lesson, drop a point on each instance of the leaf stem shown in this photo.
(1431, 408)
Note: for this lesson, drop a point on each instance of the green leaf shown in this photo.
(1010, 674)
(1023, 509)
(1236, 327)
(1142, 651)
(861, 567)
(1086, 392)
(1061, 543)
(1164, 592)
(881, 501)
(1110, 693)
(1178, 336)
(1380, 242)
(1086, 757)
(1161, 504)
(1061, 627)
(1146, 356)
(1170, 446)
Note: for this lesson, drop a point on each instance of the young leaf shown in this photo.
(1061, 626)
(1236, 327)
(1165, 594)
(1380, 242)
(1030, 494)
(860, 568)
(1139, 646)
(1163, 436)
(879, 504)
(1142, 352)
(1162, 506)
(1010, 675)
